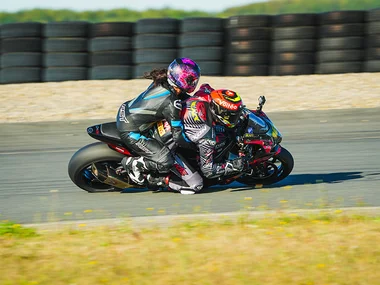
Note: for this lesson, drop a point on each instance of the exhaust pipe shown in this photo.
(109, 176)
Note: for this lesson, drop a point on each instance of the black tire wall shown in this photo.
(341, 42)
(155, 44)
(202, 39)
(372, 42)
(21, 52)
(248, 45)
(294, 44)
(110, 50)
(65, 55)
(244, 45)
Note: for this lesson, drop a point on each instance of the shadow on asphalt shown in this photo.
(291, 180)
(300, 179)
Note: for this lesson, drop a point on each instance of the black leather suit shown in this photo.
(136, 116)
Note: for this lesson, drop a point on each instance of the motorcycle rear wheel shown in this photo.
(79, 167)
(283, 161)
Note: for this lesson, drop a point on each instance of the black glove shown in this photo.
(235, 165)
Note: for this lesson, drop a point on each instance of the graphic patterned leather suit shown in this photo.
(202, 128)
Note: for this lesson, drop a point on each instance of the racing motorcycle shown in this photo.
(94, 167)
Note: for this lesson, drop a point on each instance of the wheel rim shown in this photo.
(279, 166)
(270, 170)
(267, 170)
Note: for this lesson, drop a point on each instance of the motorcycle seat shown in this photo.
(110, 130)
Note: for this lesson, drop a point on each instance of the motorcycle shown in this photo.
(94, 168)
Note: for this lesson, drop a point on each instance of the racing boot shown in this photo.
(135, 167)
(155, 182)
(159, 183)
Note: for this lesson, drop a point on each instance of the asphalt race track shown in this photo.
(337, 164)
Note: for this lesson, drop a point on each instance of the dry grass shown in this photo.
(275, 250)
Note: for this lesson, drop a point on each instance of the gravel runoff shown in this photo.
(100, 99)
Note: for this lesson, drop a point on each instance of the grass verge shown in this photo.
(283, 249)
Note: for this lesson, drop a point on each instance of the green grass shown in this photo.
(15, 230)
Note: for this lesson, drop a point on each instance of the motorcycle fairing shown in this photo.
(260, 130)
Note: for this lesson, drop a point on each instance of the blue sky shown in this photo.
(204, 5)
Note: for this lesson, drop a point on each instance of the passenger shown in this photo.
(162, 100)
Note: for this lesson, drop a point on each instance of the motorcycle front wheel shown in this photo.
(79, 167)
(272, 171)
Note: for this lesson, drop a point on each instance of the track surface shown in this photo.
(337, 164)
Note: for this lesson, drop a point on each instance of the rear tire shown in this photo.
(287, 163)
(82, 160)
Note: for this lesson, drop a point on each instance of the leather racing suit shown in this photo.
(205, 133)
(136, 116)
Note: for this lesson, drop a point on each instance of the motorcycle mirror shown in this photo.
(262, 100)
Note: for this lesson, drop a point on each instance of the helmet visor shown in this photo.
(191, 83)
(227, 117)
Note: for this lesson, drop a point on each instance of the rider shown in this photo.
(161, 100)
(203, 113)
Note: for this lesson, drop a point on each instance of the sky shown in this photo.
(138, 5)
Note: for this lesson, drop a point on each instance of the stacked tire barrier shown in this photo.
(155, 44)
(65, 47)
(248, 45)
(372, 53)
(21, 52)
(293, 44)
(245, 45)
(202, 39)
(341, 42)
(110, 51)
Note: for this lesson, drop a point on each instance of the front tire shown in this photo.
(284, 163)
(80, 165)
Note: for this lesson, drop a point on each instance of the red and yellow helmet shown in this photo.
(226, 106)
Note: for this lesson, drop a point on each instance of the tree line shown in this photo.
(301, 6)
(267, 7)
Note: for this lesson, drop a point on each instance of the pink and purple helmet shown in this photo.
(184, 73)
